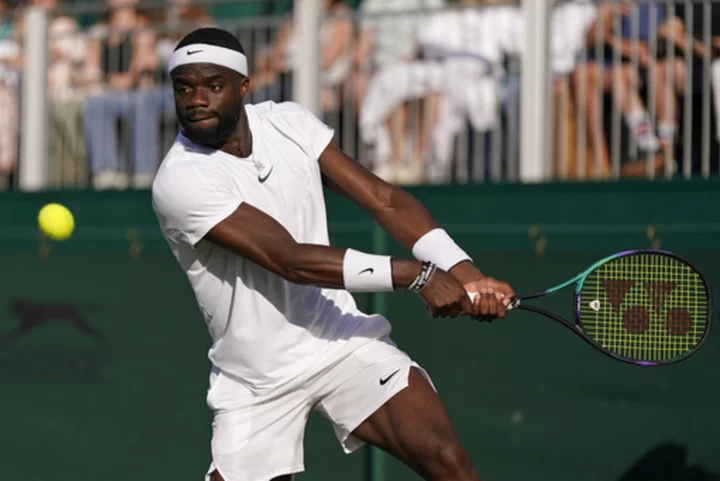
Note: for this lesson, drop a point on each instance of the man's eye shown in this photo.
(215, 87)
(182, 89)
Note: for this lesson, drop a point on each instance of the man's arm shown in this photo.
(270, 245)
(258, 237)
(396, 210)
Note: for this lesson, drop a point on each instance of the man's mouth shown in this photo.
(199, 117)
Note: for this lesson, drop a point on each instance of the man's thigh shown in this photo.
(256, 438)
(414, 427)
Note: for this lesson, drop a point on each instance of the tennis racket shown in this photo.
(643, 307)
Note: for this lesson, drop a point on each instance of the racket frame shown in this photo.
(576, 327)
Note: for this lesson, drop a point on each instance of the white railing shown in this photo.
(482, 94)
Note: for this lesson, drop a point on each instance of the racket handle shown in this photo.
(513, 304)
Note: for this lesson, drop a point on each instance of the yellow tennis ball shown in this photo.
(56, 221)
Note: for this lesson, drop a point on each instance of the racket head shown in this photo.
(644, 307)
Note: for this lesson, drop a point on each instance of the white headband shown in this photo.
(204, 53)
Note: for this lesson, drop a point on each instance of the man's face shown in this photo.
(208, 101)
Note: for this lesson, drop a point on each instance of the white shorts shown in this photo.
(258, 438)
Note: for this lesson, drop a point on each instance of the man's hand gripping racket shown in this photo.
(491, 297)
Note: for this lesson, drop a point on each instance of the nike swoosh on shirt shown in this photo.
(263, 179)
(384, 381)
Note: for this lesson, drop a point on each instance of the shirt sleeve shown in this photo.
(319, 135)
(188, 202)
(304, 128)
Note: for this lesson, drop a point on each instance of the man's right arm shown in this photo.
(258, 237)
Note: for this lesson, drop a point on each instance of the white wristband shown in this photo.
(367, 272)
(437, 247)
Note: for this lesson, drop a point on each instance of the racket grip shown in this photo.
(513, 304)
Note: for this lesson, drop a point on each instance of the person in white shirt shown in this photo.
(388, 39)
(239, 199)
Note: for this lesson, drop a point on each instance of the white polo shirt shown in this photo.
(265, 330)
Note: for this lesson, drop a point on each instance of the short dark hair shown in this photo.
(212, 36)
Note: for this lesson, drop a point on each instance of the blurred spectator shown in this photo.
(265, 84)
(336, 36)
(388, 38)
(668, 76)
(66, 52)
(10, 64)
(602, 74)
(177, 19)
(122, 60)
(336, 55)
(703, 46)
(569, 24)
(662, 36)
(471, 45)
(7, 27)
(67, 82)
(458, 75)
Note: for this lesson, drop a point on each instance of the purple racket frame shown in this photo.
(518, 303)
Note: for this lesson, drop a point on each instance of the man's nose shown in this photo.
(199, 98)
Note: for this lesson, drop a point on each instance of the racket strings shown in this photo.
(645, 307)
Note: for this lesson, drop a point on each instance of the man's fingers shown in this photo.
(488, 305)
(492, 305)
(505, 289)
(491, 299)
(483, 305)
(466, 305)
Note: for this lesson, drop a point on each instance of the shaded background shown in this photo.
(109, 379)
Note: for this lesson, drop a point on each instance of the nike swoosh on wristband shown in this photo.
(384, 381)
(369, 269)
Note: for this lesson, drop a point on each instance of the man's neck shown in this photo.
(240, 144)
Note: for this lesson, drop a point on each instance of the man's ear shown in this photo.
(244, 87)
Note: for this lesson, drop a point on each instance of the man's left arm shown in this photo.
(403, 217)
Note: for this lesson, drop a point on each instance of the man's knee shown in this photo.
(450, 462)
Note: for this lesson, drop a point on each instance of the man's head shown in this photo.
(210, 79)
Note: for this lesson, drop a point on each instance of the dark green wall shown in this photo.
(124, 398)
(563, 217)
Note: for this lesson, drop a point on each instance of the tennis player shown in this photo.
(239, 198)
